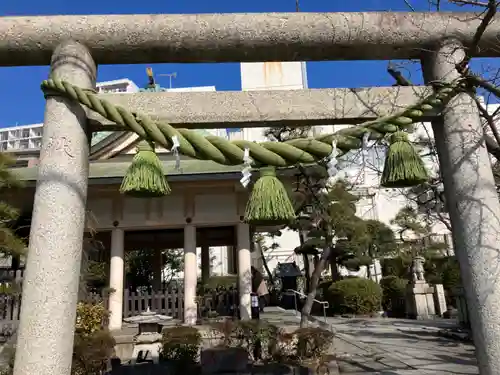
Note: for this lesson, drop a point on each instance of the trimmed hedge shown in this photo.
(393, 296)
(355, 296)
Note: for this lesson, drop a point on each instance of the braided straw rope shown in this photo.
(223, 151)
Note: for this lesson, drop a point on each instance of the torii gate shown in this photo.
(50, 288)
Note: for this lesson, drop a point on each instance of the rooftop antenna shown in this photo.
(170, 76)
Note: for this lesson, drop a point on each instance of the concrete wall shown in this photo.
(274, 76)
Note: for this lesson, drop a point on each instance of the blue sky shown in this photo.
(23, 103)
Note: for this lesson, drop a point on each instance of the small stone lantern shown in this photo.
(147, 343)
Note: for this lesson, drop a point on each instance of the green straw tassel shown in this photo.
(269, 203)
(145, 177)
(403, 165)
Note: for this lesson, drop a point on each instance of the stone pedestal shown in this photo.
(419, 300)
(439, 299)
(462, 308)
(147, 348)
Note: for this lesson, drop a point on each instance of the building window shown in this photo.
(4, 136)
(36, 143)
(23, 144)
(3, 146)
(26, 133)
(37, 132)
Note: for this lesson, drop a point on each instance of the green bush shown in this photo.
(313, 342)
(180, 344)
(450, 275)
(257, 337)
(91, 352)
(355, 296)
(90, 317)
(264, 341)
(399, 266)
(94, 345)
(393, 296)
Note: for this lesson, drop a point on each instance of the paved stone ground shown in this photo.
(393, 346)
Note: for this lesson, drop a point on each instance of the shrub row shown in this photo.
(361, 296)
(262, 341)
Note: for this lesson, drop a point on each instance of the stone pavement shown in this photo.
(393, 346)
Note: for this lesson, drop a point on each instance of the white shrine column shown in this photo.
(244, 270)
(190, 275)
(116, 275)
(205, 263)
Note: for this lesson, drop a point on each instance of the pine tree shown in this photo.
(328, 216)
(11, 244)
(414, 234)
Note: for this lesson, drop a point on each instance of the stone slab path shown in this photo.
(389, 346)
(393, 346)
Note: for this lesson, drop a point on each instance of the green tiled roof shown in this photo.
(99, 136)
(118, 169)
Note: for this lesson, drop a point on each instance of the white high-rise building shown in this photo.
(29, 137)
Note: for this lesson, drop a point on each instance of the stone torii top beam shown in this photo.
(134, 39)
(244, 109)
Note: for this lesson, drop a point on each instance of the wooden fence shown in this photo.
(168, 302)
(10, 308)
(10, 300)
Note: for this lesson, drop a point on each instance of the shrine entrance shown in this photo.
(152, 269)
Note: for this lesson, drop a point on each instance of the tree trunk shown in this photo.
(307, 271)
(334, 268)
(307, 265)
(311, 295)
(264, 262)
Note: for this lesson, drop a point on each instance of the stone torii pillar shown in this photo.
(472, 202)
(50, 286)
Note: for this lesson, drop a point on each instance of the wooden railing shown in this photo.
(167, 302)
(10, 309)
